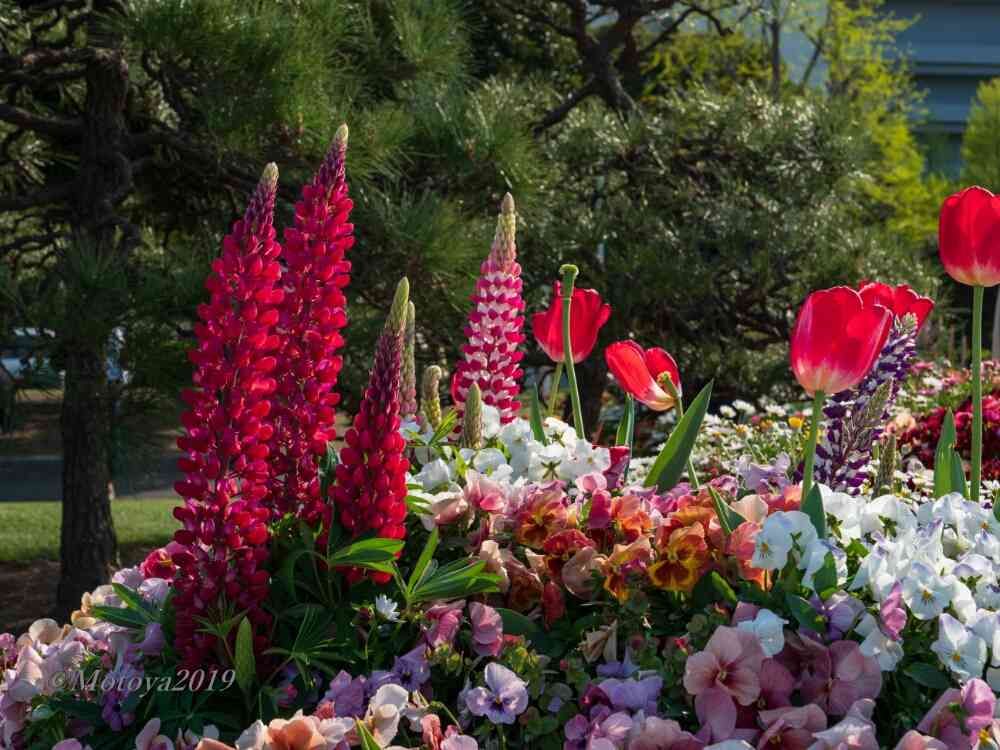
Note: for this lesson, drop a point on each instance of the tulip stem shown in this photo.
(817, 416)
(569, 273)
(679, 406)
(554, 389)
(977, 392)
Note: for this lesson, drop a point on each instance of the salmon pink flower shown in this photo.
(642, 373)
(969, 237)
(836, 340)
(588, 313)
(731, 661)
(487, 629)
(899, 300)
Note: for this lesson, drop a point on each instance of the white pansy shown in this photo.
(846, 510)
(925, 592)
(961, 650)
(962, 602)
(544, 464)
(434, 474)
(773, 544)
(887, 512)
(769, 629)
(986, 625)
(386, 608)
(488, 460)
(560, 432)
(987, 594)
(491, 422)
(876, 644)
(584, 458)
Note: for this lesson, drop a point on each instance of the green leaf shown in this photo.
(537, 428)
(423, 562)
(367, 740)
(125, 618)
(246, 663)
(927, 675)
(729, 519)
(375, 554)
(626, 428)
(670, 464)
(943, 468)
(812, 506)
(803, 612)
(135, 602)
(825, 580)
(455, 580)
(444, 429)
(713, 588)
(958, 475)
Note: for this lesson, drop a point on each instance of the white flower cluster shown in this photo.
(939, 558)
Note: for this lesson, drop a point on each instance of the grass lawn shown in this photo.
(30, 531)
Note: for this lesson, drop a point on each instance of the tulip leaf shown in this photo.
(422, 568)
(670, 464)
(958, 475)
(812, 506)
(626, 428)
(729, 519)
(537, 428)
(944, 471)
(713, 588)
(246, 663)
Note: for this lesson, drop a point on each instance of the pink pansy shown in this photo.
(791, 728)
(744, 612)
(70, 744)
(578, 572)
(444, 622)
(731, 661)
(654, 733)
(776, 685)
(446, 509)
(850, 676)
(487, 629)
(150, 738)
(717, 715)
(975, 701)
(914, 740)
(854, 732)
(892, 614)
(600, 510)
(483, 493)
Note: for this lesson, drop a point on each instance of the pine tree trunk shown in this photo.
(88, 546)
(102, 239)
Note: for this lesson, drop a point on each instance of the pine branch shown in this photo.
(50, 126)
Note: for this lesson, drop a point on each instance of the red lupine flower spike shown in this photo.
(490, 357)
(370, 492)
(309, 328)
(222, 544)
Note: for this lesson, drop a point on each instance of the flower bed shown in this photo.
(483, 576)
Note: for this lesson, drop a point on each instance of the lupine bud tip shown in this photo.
(341, 134)
(397, 313)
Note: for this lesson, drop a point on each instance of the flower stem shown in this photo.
(569, 273)
(817, 415)
(977, 392)
(554, 391)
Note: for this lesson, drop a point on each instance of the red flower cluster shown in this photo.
(370, 493)
(226, 466)
(922, 438)
(310, 322)
(490, 358)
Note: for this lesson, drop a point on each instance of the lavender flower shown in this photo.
(582, 733)
(633, 695)
(502, 700)
(346, 694)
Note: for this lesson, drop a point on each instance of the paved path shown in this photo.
(39, 478)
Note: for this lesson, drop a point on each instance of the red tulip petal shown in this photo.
(969, 237)
(626, 360)
(659, 361)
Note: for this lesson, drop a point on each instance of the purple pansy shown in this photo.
(502, 700)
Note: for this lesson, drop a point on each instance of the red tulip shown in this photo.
(587, 314)
(969, 237)
(900, 300)
(836, 339)
(641, 373)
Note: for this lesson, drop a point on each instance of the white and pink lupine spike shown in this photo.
(495, 329)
